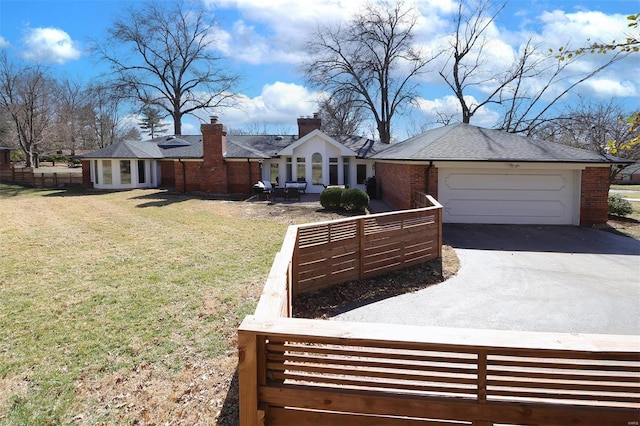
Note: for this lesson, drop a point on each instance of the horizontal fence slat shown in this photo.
(330, 369)
(298, 417)
(358, 362)
(376, 403)
(406, 355)
(441, 390)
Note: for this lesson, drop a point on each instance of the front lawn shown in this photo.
(122, 308)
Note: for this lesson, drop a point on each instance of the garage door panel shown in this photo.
(502, 181)
(512, 197)
(495, 211)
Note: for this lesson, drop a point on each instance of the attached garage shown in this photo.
(490, 176)
(549, 197)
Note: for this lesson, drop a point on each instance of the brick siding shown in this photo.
(594, 193)
(397, 183)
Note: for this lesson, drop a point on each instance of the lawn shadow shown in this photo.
(230, 412)
(161, 198)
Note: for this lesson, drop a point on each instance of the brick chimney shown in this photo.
(307, 125)
(214, 146)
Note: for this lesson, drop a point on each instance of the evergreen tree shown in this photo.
(152, 121)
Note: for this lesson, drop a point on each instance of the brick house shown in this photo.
(217, 163)
(479, 175)
(5, 157)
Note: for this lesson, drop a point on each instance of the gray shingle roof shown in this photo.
(464, 142)
(127, 149)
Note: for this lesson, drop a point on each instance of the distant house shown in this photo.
(226, 164)
(5, 157)
(478, 175)
(629, 174)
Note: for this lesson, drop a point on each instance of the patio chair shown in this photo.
(293, 193)
(278, 193)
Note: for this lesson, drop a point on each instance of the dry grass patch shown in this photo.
(122, 307)
(108, 299)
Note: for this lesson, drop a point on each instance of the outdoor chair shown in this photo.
(293, 193)
(278, 193)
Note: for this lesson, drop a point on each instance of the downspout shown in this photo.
(250, 186)
(427, 178)
(184, 176)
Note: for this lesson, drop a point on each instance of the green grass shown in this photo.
(101, 285)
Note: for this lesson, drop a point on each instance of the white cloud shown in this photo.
(3, 43)
(278, 106)
(50, 45)
(608, 88)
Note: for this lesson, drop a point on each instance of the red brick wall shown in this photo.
(594, 193)
(307, 125)
(241, 176)
(192, 175)
(397, 183)
(168, 174)
(86, 174)
(214, 169)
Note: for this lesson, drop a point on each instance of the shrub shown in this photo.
(354, 200)
(618, 206)
(331, 198)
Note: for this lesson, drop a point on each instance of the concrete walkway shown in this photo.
(550, 278)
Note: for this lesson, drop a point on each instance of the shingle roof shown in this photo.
(464, 142)
(631, 169)
(127, 149)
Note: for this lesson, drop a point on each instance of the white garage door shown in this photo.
(543, 197)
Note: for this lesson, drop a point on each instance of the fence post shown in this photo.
(361, 247)
(482, 385)
(248, 378)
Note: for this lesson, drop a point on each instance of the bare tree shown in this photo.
(371, 60)
(27, 93)
(510, 88)
(103, 115)
(166, 59)
(340, 116)
(596, 126)
(69, 124)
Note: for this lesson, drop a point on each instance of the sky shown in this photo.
(263, 41)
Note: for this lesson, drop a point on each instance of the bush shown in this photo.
(618, 206)
(331, 198)
(354, 200)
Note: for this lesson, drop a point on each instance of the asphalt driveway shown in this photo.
(538, 278)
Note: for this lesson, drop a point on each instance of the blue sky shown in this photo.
(264, 43)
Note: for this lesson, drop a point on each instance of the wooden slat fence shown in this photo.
(27, 176)
(329, 253)
(310, 372)
(330, 372)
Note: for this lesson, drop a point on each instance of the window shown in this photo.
(274, 172)
(333, 171)
(125, 171)
(141, 173)
(345, 170)
(361, 170)
(106, 172)
(301, 170)
(316, 169)
(289, 170)
(95, 171)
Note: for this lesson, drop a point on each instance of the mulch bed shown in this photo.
(326, 303)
